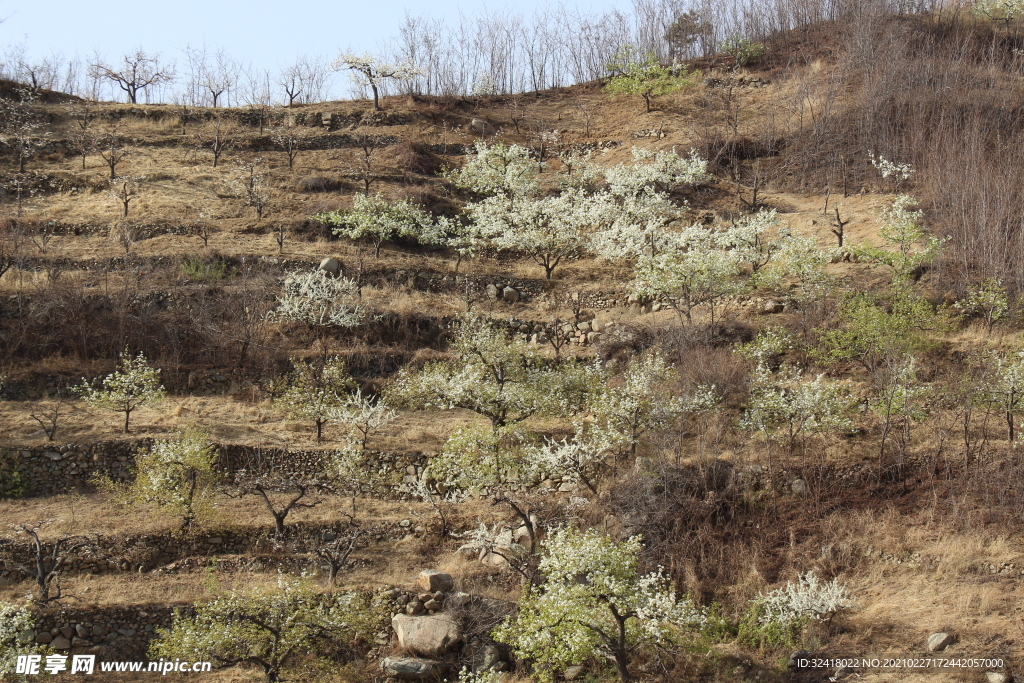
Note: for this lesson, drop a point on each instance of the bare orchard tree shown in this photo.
(257, 95)
(83, 137)
(218, 135)
(124, 189)
(281, 495)
(212, 77)
(48, 560)
(21, 128)
(334, 550)
(137, 72)
(255, 188)
(368, 70)
(303, 80)
(112, 145)
(290, 140)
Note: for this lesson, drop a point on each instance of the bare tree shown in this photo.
(112, 146)
(254, 185)
(137, 72)
(11, 239)
(219, 135)
(50, 411)
(270, 488)
(303, 80)
(48, 559)
(258, 96)
(290, 140)
(362, 167)
(83, 139)
(22, 128)
(334, 553)
(124, 189)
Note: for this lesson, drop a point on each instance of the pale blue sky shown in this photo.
(267, 34)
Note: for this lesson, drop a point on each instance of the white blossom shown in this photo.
(133, 385)
(593, 587)
(319, 299)
(806, 598)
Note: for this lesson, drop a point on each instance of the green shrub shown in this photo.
(202, 270)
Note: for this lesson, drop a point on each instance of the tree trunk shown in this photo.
(126, 414)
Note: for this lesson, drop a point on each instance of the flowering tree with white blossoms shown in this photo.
(377, 220)
(317, 391)
(756, 239)
(802, 600)
(662, 171)
(633, 226)
(495, 375)
(270, 629)
(909, 247)
(368, 70)
(319, 300)
(178, 474)
(133, 385)
(624, 412)
(498, 170)
(15, 622)
(595, 601)
(1005, 389)
(365, 415)
(785, 401)
(548, 229)
(698, 274)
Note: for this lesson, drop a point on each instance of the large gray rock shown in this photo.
(429, 636)
(411, 668)
(937, 642)
(331, 266)
(510, 294)
(432, 580)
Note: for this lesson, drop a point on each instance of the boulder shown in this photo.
(773, 307)
(493, 292)
(44, 638)
(330, 266)
(509, 294)
(937, 642)
(429, 636)
(61, 643)
(795, 658)
(411, 668)
(573, 673)
(432, 581)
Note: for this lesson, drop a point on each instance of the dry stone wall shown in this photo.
(52, 469)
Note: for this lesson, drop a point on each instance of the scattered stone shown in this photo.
(330, 266)
(937, 642)
(997, 677)
(798, 487)
(432, 580)
(429, 636)
(794, 659)
(411, 668)
(573, 672)
(60, 643)
(414, 607)
(509, 294)
(487, 658)
(432, 605)
(493, 292)
(773, 307)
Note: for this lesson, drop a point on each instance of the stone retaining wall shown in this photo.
(52, 469)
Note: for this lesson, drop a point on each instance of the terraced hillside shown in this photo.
(757, 357)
